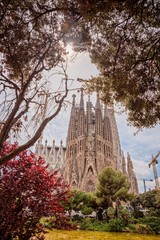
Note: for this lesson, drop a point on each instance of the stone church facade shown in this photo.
(54, 155)
(92, 144)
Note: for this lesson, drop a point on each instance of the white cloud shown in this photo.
(141, 147)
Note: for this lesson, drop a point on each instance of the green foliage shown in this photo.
(130, 228)
(138, 214)
(136, 204)
(82, 201)
(111, 212)
(113, 185)
(48, 222)
(92, 200)
(128, 59)
(93, 225)
(77, 200)
(86, 210)
(77, 218)
(57, 223)
(115, 225)
(148, 201)
(125, 215)
(142, 228)
(153, 223)
(158, 198)
(122, 39)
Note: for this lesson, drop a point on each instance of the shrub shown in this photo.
(142, 228)
(87, 210)
(115, 225)
(133, 220)
(124, 215)
(131, 227)
(86, 224)
(58, 223)
(138, 213)
(110, 212)
(93, 225)
(153, 223)
(28, 191)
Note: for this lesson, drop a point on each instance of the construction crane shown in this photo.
(144, 182)
(153, 162)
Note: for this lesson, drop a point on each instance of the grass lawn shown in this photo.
(88, 235)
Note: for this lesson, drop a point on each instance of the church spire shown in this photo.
(73, 101)
(98, 105)
(71, 128)
(89, 113)
(123, 164)
(105, 111)
(81, 105)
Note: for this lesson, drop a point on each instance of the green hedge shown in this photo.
(153, 223)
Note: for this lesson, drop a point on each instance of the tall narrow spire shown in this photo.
(89, 123)
(52, 152)
(71, 128)
(105, 111)
(98, 105)
(81, 105)
(73, 104)
(89, 112)
(123, 164)
(73, 101)
(92, 144)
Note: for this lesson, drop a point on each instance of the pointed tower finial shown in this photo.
(129, 161)
(105, 111)
(73, 101)
(52, 152)
(128, 155)
(81, 105)
(89, 110)
(98, 105)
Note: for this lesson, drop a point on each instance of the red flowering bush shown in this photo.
(28, 191)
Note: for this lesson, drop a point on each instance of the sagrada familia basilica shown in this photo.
(92, 144)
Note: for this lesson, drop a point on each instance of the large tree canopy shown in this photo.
(121, 36)
(149, 200)
(126, 50)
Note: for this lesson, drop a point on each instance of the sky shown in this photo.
(141, 145)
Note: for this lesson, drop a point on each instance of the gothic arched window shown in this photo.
(90, 170)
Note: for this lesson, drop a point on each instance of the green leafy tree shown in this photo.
(137, 207)
(112, 188)
(87, 210)
(126, 51)
(30, 46)
(82, 202)
(92, 200)
(149, 201)
(122, 35)
(77, 201)
(158, 198)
